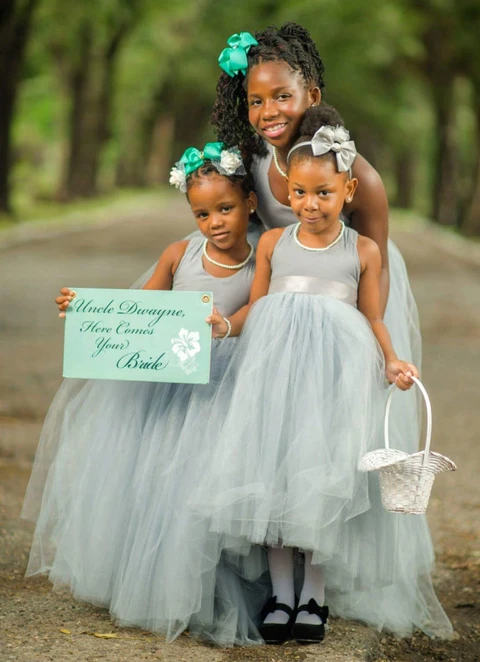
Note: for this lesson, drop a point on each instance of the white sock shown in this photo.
(280, 563)
(313, 587)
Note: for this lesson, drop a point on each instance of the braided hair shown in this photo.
(245, 182)
(208, 170)
(291, 44)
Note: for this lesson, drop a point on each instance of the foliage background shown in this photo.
(102, 95)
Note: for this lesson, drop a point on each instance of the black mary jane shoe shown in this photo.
(305, 633)
(276, 633)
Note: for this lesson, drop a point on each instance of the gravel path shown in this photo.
(37, 624)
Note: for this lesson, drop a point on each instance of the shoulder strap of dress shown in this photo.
(195, 245)
(192, 251)
(285, 236)
(288, 232)
(351, 236)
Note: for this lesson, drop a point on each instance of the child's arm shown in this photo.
(368, 212)
(260, 285)
(161, 279)
(397, 371)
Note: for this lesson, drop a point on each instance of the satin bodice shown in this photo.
(229, 294)
(332, 272)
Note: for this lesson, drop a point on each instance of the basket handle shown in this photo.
(429, 417)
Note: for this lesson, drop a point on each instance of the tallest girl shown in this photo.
(268, 83)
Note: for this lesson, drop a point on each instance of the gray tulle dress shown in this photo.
(300, 403)
(110, 471)
(158, 500)
(401, 315)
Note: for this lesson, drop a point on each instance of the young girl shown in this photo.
(268, 83)
(305, 394)
(102, 439)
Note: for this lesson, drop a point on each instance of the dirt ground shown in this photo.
(37, 624)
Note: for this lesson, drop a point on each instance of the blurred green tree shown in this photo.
(174, 89)
(84, 41)
(135, 83)
(153, 96)
(470, 66)
(449, 30)
(15, 23)
(367, 52)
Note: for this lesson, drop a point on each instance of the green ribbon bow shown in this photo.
(234, 59)
(193, 158)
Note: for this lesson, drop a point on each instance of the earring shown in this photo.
(349, 199)
(252, 211)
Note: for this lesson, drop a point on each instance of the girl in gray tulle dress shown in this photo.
(299, 405)
(106, 446)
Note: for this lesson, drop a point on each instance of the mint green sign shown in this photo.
(138, 335)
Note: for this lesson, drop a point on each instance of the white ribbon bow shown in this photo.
(335, 139)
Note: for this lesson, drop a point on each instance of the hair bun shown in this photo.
(317, 116)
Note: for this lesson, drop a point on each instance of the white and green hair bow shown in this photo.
(226, 161)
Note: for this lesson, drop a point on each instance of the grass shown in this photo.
(407, 219)
(88, 211)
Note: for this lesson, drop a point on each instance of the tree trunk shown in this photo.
(131, 169)
(15, 22)
(190, 115)
(471, 224)
(91, 89)
(445, 191)
(441, 70)
(75, 180)
(405, 177)
(160, 159)
(147, 152)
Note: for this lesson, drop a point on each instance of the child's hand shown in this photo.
(63, 301)
(400, 373)
(218, 324)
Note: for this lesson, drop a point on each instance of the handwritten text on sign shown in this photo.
(138, 335)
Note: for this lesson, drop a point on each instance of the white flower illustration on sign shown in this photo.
(186, 346)
(189, 368)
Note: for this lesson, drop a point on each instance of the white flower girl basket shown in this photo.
(406, 480)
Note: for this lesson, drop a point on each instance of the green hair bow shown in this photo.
(226, 161)
(193, 158)
(234, 59)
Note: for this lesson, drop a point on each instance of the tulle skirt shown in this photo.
(98, 446)
(303, 395)
(173, 572)
(402, 321)
(157, 500)
(274, 463)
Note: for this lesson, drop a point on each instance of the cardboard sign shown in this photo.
(138, 335)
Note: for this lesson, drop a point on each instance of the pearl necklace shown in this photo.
(227, 266)
(275, 160)
(323, 248)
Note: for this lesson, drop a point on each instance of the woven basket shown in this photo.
(406, 480)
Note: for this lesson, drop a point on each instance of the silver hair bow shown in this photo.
(332, 139)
